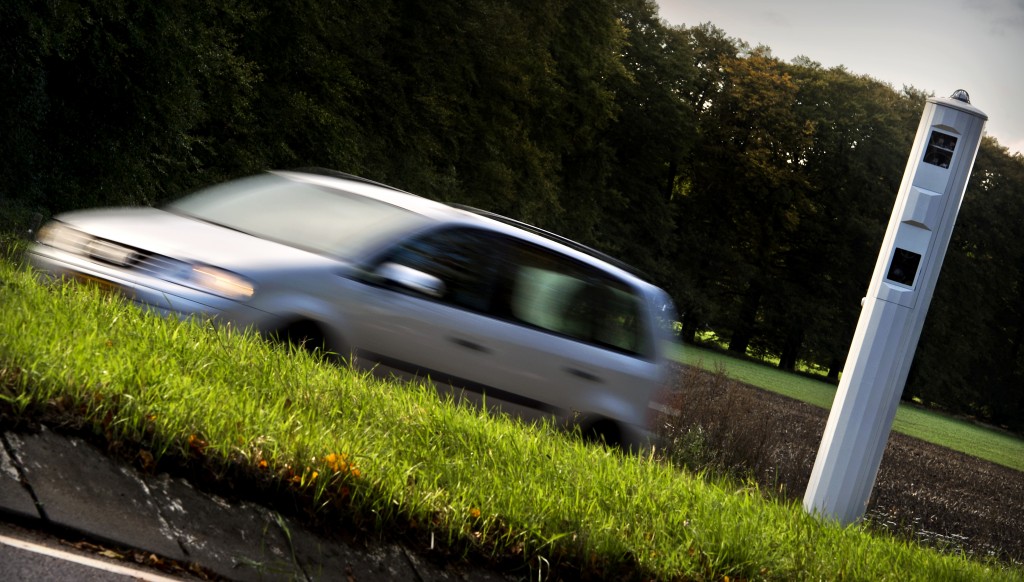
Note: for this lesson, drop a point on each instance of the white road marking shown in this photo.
(82, 560)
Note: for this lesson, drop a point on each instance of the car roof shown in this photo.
(461, 214)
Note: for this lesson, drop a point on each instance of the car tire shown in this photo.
(604, 431)
(310, 336)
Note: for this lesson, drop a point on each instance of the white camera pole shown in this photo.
(894, 309)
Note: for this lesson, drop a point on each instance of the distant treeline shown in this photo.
(756, 191)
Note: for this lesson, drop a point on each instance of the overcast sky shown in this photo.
(937, 46)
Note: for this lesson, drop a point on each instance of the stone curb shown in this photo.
(68, 483)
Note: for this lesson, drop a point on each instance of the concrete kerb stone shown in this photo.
(323, 559)
(81, 489)
(14, 497)
(237, 541)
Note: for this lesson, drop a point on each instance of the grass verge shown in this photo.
(392, 457)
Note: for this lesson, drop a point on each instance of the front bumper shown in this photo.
(164, 297)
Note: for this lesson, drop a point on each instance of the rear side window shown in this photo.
(557, 294)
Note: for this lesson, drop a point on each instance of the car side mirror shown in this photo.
(411, 279)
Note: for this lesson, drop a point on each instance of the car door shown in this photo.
(445, 333)
(577, 337)
(520, 325)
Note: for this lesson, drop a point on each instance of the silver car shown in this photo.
(538, 324)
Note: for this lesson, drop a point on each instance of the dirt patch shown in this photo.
(923, 492)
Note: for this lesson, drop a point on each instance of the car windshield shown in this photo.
(310, 217)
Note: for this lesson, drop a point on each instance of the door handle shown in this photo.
(584, 375)
(469, 345)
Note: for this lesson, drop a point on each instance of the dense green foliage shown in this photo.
(382, 458)
(756, 191)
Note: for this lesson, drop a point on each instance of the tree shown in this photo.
(970, 359)
(113, 94)
(860, 130)
(653, 133)
(702, 264)
(23, 105)
(746, 176)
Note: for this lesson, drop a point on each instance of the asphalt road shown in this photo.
(32, 555)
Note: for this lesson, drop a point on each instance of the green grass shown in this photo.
(960, 435)
(750, 372)
(395, 457)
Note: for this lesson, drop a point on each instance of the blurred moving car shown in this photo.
(538, 324)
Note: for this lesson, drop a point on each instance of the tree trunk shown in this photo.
(834, 368)
(791, 350)
(744, 331)
(689, 333)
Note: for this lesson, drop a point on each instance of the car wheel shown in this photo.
(310, 336)
(604, 431)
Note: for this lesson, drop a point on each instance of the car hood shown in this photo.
(189, 239)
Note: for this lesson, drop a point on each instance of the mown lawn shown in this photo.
(390, 457)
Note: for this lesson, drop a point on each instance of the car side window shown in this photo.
(463, 259)
(557, 294)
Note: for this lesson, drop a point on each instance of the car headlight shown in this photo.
(221, 282)
(63, 238)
